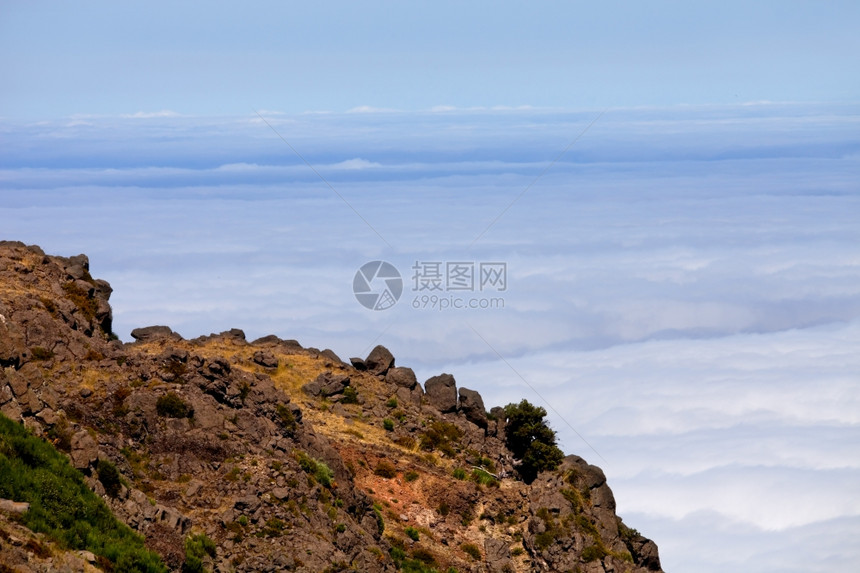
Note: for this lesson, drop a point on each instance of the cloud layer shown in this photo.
(683, 284)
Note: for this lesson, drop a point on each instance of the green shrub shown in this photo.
(531, 440)
(350, 396)
(441, 436)
(484, 478)
(197, 547)
(316, 469)
(41, 353)
(411, 533)
(459, 473)
(388, 424)
(385, 469)
(87, 305)
(593, 553)
(171, 405)
(380, 522)
(109, 477)
(62, 506)
(410, 476)
(287, 419)
(472, 551)
(392, 402)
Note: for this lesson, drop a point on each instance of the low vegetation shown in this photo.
(62, 506)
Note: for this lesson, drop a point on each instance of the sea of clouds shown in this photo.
(683, 284)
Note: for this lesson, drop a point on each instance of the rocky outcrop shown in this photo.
(379, 360)
(150, 333)
(287, 457)
(472, 406)
(441, 393)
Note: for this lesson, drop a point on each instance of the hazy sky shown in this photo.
(683, 283)
(219, 58)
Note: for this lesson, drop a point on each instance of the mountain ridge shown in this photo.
(289, 458)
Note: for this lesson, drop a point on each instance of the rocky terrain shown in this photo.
(288, 458)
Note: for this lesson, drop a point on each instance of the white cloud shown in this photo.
(151, 114)
(695, 317)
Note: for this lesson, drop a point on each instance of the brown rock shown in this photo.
(379, 360)
(472, 406)
(401, 376)
(441, 393)
(85, 450)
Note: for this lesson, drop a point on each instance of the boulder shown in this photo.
(85, 450)
(150, 333)
(441, 392)
(402, 377)
(379, 360)
(327, 384)
(14, 507)
(330, 354)
(497, 554)
(472, 406)
(265, 359)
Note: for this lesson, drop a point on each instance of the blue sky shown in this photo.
(682, 282)
(220, 58)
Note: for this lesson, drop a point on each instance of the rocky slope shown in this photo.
(287, 457)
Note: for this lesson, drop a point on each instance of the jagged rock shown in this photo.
(327, 384)
(330, 354)
(645, 553)
(18, 384)
(265, 359)
(472, 406)
(85, 450)
(402, 376)
(150, 333)
(235, 334)
(496, 427)
(379, 360)
(247, 504)
(14, 507)
(497, 554)
(441, 393)
(5, 391)
(358, 363)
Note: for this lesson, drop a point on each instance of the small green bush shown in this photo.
(41, 353)
(109, 477)
(593, 553)
(385, 469)
(411, 533)
(197, 547)
(410, 476)
(287, 419)
(459, 473)
(350, 396)
(441, 436)
(316, 469)
(472, 551)
(170, 405)
(388, 424)
(392, 402)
